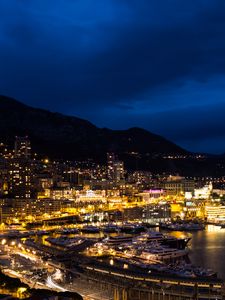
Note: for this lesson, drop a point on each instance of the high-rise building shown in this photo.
(111, 158)
(115, 168)
(20, 178)
(3, 170)
(118, 171)
(22, 147)
(20, 169)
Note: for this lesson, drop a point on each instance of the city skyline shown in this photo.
(112, 149)
(64, 224)
(120, 65)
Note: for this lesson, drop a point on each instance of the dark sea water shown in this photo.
(207, 248)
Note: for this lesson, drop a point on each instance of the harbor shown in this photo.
(67, 258)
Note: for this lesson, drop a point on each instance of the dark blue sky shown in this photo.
(121, 63)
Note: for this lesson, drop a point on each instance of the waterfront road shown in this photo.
(89, 292)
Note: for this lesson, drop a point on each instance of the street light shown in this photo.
(3, 242)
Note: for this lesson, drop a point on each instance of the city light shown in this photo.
(106, 218)
(3, 242)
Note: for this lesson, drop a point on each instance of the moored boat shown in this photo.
(118, 240)
(132, 228)
(90, 229)
(171, 241)
(110, 228)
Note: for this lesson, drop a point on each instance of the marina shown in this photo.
(148, 254)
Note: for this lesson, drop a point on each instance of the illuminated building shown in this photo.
(118, 171)
(115, 168)
(140, 177)
(128, 189)
(90, 196)
(192, 209)
(45, 183)
(3, 177)
(152, 194)
(219, 192)
(3, 185)
(215, 213)
(71, 175)
(22, 147)
(61, 193)
(203, 193)
(110, 162)
(20, 169)
(3, 170)
(20, 178)
(176, 186)
(24, 209)
(5, 209)
(152, 214)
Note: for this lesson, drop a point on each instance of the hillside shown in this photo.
(68, 137)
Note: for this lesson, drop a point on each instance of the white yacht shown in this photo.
(162, 253)
(118, 240)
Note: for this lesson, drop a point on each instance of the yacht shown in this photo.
(162, 253)
(90, 229)
(68, 231)
(132, 228)
(110, 228)
(173, 242)
(118, 240)
(155, 236)
(186, 226)
(149, 236)
(64, 241)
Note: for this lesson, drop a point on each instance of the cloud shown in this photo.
(118, 57)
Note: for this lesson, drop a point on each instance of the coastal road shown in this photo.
(52, 285)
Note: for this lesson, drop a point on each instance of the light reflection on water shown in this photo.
(207, 248)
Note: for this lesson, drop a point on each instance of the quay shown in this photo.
(101, 283)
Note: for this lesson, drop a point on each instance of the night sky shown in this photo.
(156, 64)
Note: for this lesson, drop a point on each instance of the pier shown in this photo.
(98, 283)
